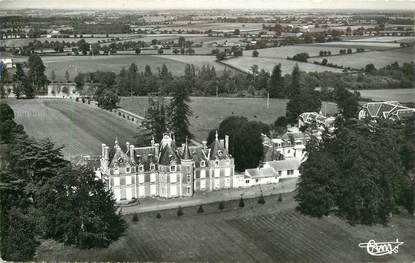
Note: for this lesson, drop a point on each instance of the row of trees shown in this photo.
(43, 196)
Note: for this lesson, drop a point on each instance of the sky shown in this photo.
(209, 4)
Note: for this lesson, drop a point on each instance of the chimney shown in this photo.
(128, 146)
(132, 153)
(139, 158)
(222, 142)
(156, 149)
(183, 145)
(227, 142)
(204, 144)
(103, 150)
(106, 152)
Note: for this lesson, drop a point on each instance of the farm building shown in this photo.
(385, 110)
(322, 122)
(6, 63)
(166, 171)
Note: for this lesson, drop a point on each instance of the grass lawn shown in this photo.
(80, 128)
(273, 232)
(401, 95)
(376, 45)
(378, 58)
(246, 62)
(289, 51)
(208, 112)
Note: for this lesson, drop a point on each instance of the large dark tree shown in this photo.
(36, 72)
(294, 88)
(156, 118)
(347, 102)
(245, 140)
(179, 112)
(276, 83)
(306, 101)
(108, 99)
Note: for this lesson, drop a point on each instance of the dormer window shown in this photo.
(120, 160)
(217, 163)
(173, 168)
(128, 170)
(140, 168)
(152, 166)
(202, 164)
(220, 153)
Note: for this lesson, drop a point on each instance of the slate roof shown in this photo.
(218, 151)
(261, 172)
(283, 165)
(120, 158)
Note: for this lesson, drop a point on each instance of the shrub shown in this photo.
(135, 218)
(261, 200)
(280, 198)
(241, 202)
(180, 211)
(200, 210)
(221, 205)
(158, 215)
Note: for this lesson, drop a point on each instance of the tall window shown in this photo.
(173, 168)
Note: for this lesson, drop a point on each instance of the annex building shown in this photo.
(165, 170)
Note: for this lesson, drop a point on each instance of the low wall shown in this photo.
(128, 115)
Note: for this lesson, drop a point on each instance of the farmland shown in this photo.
(377, 58)
(80, 128)
(401, 95)
(208, 112)
(245, 63)
(273, 232)
(76, 64)
(356, 44)
(289, 51)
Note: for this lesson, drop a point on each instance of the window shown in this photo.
(202, 163)
(227, 171)
(279, 172)
(141, 178)
(133, 179)
(188, 178)
(111, 182)
(173, 178)
(127, 170)
(128, 180)
(173, 168)
(122, 180)
(217, 172)
(140, 168)
(202, 184)
(152, 167)
(217, 163)
(152, 178)
(290, 172)
(203, 173)
(256, 180)
(188, 190)
(247, 181)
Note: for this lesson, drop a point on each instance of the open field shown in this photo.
(217, 26)
(386, 39)
(356, 44)
(273, 232)
(290, 51)
(246, 62)
(208, 112)
(76, 64)
(378, 58)
(81, 128)
(401, 95)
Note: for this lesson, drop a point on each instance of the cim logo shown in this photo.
(381, 248)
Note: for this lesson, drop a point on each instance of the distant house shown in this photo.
(7, 62)
(291, 34)
(385, 110)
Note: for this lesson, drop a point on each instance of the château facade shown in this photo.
(165, 170)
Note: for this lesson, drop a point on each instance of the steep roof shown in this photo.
(120, 158)
(218, 151)
(168, 151)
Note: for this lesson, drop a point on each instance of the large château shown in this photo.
(165, 170)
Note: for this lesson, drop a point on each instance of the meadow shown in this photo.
(246, 62)
(208, 112)
(289, 51)
(401, 95)
(377, 58)
(355, 44)
(79, 127)
(114, 63)
(272, 232)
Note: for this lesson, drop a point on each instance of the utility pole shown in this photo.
(268, 100)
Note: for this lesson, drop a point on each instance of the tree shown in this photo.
(276, 83)
(180, 211)
(261, 199)
(370, 68)
(179, 112)
(67, 76)
(237, 32)
(347, 102)
(306, 101)
(295, 85)
(221, 56)
(53, 76)
(221, 205)
(255, 53)
(200, 209)
(108, 99)
(36, 72)
(156, 118)
(134, 218)
(241, 202)
(324, 61)
(19, 80)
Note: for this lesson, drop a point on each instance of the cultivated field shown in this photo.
(378, 58)
(208, 112)
(80, 128)
(246, 62)
(76, 64)
(289, 51)
(386, 39)
(273, 232)
(401, 95)
(355, 44)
